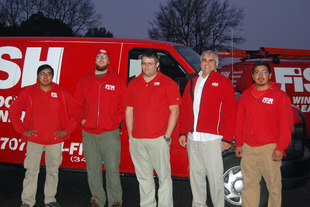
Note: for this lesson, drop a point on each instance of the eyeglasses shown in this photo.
(264, 72)
(48, 73)
(102, 56)
(148, 64)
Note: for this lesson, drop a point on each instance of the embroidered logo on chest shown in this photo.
(267, 100)
(156, 83)
(53, 94)
(110, 87)
(215, 84)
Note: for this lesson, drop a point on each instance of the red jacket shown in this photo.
(28, 99)
(265, 119)
(101, 101)
(217, 111)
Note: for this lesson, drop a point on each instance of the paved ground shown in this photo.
(73, 190)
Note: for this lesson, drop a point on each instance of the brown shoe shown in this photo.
(116, 203)
(94, 202)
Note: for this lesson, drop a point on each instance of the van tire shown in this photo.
(233, 183)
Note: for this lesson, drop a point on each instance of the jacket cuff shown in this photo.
(226, 141)
(279, 149)
(23, 131)
(80, 119)
(182, 134)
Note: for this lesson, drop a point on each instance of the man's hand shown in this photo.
(83, 121)
(225, 145)
(29, 132)
(238, 151)
(182, 140)
(61, 133)
(277, 155)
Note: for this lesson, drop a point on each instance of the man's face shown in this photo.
(149, 67)
(102, 62)
(45, 77)
(208, 64)
(261, 76)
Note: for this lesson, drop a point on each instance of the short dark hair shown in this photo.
(43, 67)
(151, 54)
(259, 64)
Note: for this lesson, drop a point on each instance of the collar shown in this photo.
(52, 89)
(200, 75)
(273, 86)
(156, 78)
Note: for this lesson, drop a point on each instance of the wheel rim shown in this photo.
(233, 184)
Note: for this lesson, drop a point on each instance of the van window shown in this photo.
(168, 66)
(190, 56)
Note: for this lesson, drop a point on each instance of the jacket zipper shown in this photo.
(99, 105)
(200, 100)
(256, 99)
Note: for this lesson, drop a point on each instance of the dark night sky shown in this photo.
(267, 23)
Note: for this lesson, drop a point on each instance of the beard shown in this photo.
(102, 68)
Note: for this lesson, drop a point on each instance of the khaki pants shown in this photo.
(255, 163)
(103, 148)
(147, 155)
(205, 160)
(53, 159)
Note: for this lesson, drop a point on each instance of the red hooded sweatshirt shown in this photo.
(217, 111)
(45, 112)
(100, 101)
(265, 119)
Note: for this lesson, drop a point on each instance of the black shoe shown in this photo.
(52, 204)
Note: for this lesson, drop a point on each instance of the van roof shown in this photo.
(267, 53)
(88, 39)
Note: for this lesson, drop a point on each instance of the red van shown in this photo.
(73, 57)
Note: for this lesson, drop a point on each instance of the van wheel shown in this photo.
(233, 183)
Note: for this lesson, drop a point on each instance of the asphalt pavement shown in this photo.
(73, 190)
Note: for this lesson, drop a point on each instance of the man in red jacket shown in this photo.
(46, 125)
(99, 105)
(208, 119)
(263, 131)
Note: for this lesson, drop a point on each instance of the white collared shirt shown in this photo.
(199, 136)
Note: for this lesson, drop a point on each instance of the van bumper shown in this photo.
(295, 172)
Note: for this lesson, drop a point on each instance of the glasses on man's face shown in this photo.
(48, 73)
(102, 56)
(264, 72)
(148, 64)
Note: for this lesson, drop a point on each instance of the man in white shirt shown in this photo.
(208, 114)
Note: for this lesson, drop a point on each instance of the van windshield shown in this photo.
(190, 56)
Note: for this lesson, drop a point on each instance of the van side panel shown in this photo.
(71, 58)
